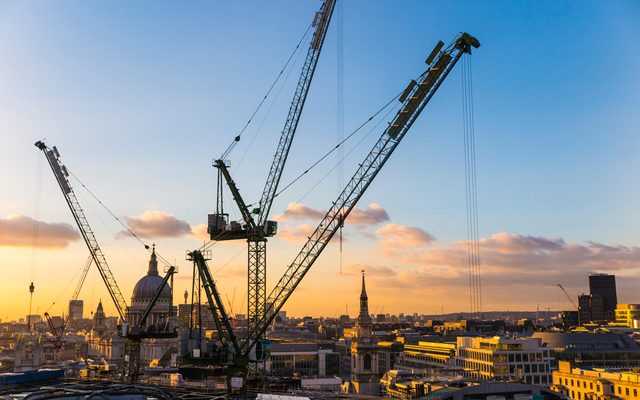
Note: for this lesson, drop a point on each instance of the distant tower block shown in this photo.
(76, 310)
(604, 285)
(186, 297)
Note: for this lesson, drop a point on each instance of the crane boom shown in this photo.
(414, 99)
(568, 297)
(61, 174)
(83, 276)
(220, 316)
(320, 23)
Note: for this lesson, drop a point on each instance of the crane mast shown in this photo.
(61, 174)
(257, 252)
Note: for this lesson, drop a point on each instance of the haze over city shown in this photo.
(140, 99)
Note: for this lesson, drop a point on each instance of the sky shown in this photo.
(140, 97)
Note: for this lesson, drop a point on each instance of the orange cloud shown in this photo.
(298, 211)
(372, 215)
(19, 230)
(395, 236)
(295, 234)
(512, 260)
(370, 270)
(200, 232)
(155, 224)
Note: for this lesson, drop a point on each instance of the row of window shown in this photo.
(577, 383)
(504, 357)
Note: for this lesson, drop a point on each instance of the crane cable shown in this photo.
(35, 239)
(471, 189)
(146, 246)
(340, 106)
(237, 138)
(339, 162)
(340, 144)
(268, 112)
(64, 289)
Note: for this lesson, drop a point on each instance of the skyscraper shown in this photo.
(76, 308)
(604, 285)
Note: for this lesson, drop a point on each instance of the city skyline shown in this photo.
(139, 110)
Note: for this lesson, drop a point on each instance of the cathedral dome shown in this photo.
(148, 284)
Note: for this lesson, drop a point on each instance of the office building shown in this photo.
(303, 360)
(499, 358)
(426, 356)
(604, 285)
(595, 350)
(591, 309)
(595, 384)
(628, 314)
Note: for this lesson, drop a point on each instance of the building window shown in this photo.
(367, 362)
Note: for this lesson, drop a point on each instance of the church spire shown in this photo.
(153, 263)
(363, 294)
(364, 319)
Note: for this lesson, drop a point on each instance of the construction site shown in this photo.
(211, 340)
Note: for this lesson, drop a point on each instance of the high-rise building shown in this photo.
(604, 285)
(591, 308)
(76, 309)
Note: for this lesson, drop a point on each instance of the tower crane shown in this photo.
(61, 174)
(134, 335)
(568, 297)
(414, 99)
(58, 334)
(572, 303)
(256, 231)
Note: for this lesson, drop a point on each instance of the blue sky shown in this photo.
(140, 97)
